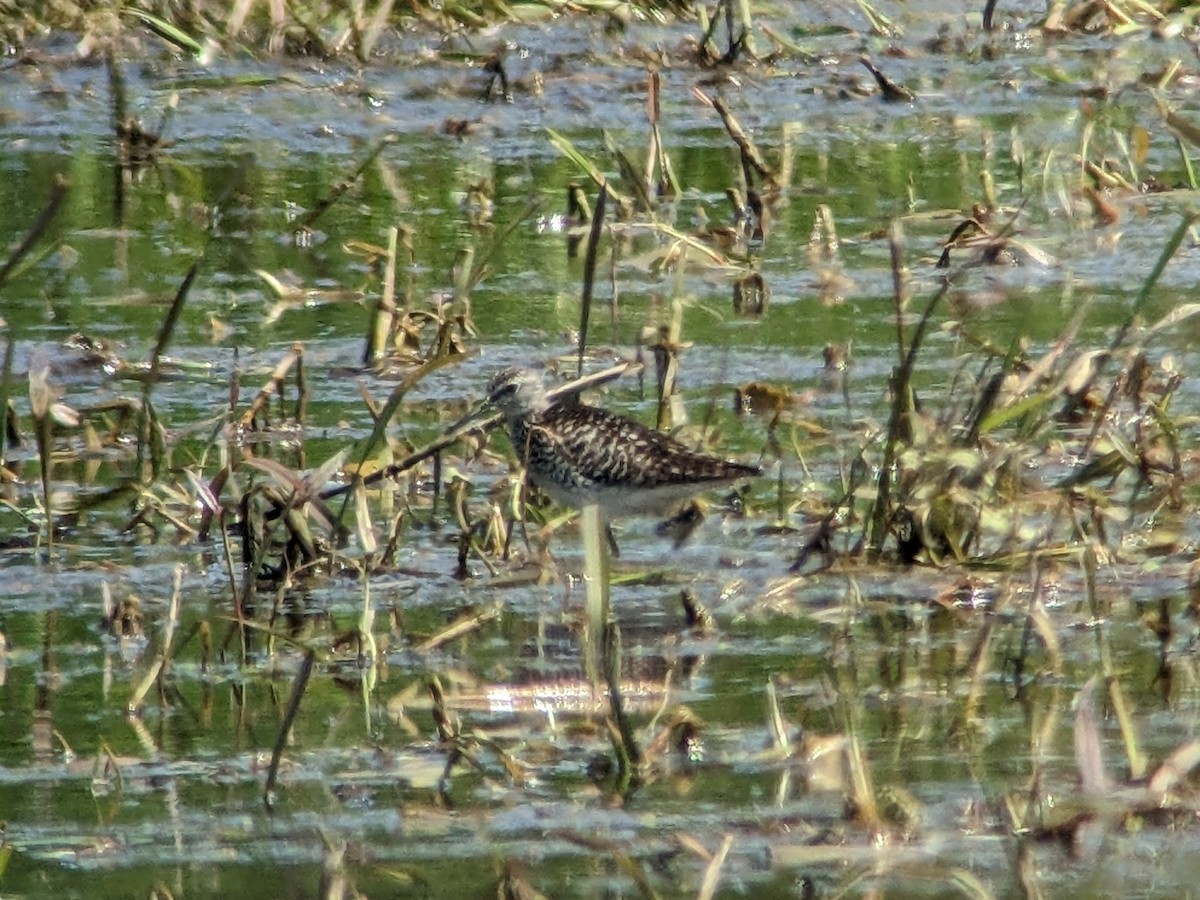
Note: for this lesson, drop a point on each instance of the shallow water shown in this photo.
(884, 657)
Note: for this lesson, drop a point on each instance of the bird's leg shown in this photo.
(612, 541)
(524, 493)
(509, 522)
(524, 490)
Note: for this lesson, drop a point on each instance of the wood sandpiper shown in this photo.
(580, 454)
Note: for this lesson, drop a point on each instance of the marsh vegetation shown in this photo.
(281, 616)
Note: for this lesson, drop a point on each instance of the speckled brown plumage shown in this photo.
(580, 454)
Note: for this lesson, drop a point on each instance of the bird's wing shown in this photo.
(609, 449)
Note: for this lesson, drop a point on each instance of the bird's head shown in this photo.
(517, 392)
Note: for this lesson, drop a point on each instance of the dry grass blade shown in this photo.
(368, 649)
(164, 653)
(630, 175)
(305, 485)
(41, 395)
(345, 184)
(1089, 753)
(514, 884)
(482, 265)
(779, 730)
(891, 91)
(746, 36)
(301, 406)
(285, 727)
(8, 429)
(362, 514)
(273, 383)
(57, 195)
(335, 880)
(1178, 124)
(41, 399)
(708, 255)
(1133, 751)
(384, 316)
(1168, 252)
(167, 330)
(752, 159)
(979, 664)
(567, 149)
(668, 184)
(204, 494)
(899, 286)
(620, 729)
(1040, 622)
(303, 492)
(1175, 768)
(459, 628)
(167, 31)
(1177, 315)
(1165, 256)
(712, 874)
(970, 884)
(119, 96)
(365, 46)
(666, 359)
(383, 420)
(441, 718)
(1044, 365)
(880, 23)
(1116, 696)
(589, 271)
(862, 787)
(902, 400)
